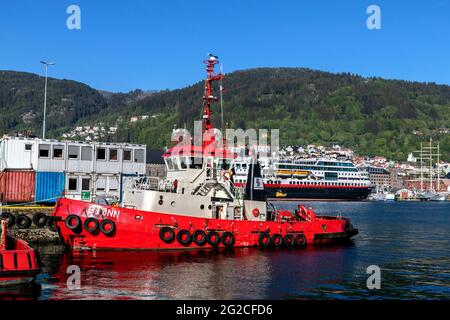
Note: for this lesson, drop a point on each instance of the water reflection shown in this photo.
(409, 242)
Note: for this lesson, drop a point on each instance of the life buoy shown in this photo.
(213, 238)
(40, 219)
(11, 219)
(23, 221)
(91, 225)
(300, 240)
(199, 238)
(184, 237)
(108, 227)
(289, 240)
(264, 240)
(228, 239)
(167, 235)
(73, 222)
(276, 240)
(255, 212)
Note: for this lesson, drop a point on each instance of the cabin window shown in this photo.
(139, 156)
(73, 184)
(58, 152)
(74, 152)
(196, 163)
(101, 154)
(113, 155)
(183, 163)
(85, 184)
(86, 153)
(44, 151)
(126, 155)
(28, 147)
(169, 163)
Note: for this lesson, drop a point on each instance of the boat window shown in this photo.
(101, 154)
(196, 163)
(126, 155)
(73, 184)
(86, 153)
(184, 162)
(44, 151)
(74, 152)
(113, 155)
(85, 184)
(28, 147)
(58, 152)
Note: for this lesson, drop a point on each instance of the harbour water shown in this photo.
(409, 241)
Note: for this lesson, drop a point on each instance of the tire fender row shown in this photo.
(91, 225)
(23, 221)
(290, 240)
(199, 237)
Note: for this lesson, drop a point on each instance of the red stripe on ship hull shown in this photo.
(302, 186)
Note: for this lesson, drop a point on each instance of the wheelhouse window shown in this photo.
(58, 152)
(101, 154)
(44, 151)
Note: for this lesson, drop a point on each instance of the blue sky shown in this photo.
(152, 44)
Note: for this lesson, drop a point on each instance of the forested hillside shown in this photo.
(374, 116)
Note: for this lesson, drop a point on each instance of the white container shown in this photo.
(71, 156)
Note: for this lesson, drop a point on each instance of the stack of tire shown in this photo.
(23, 221)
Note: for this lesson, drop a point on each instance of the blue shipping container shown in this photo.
(49, 186)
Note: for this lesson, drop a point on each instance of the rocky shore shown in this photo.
(33, 234)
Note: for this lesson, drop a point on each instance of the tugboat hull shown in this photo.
(87, 226)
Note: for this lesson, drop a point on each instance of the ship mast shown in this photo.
(208, 97)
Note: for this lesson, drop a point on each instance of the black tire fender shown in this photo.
(264, 240)
(167, 235)
(199, 238)
(276, 240)
(73, 218)
(94, 229)
(300, 240)
(112, 227)
(184, 237)
(40, 219)
(213, 238)
(11, 219)
(228, 239)
(289, 240)
(23, 221)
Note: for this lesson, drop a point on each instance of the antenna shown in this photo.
(221, 100)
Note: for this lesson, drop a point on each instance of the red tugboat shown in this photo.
(195, 206)
(18, 261)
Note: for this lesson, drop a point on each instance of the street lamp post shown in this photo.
(46, 64)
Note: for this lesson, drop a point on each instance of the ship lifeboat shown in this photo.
(19, 263)
(301, 174)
